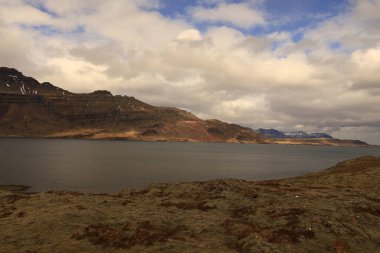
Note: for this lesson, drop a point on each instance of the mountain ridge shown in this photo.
(273, 133)
(29, 108)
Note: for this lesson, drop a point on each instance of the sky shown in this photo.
(311, 65)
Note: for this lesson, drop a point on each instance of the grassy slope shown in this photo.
(336, 210)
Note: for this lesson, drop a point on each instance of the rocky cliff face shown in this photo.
(30, 108)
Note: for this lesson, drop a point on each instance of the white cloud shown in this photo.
(367, 60)
(224, 37)
(367, 69)
(237, 14)
(23, 14)
(129, 48)
(190, 34)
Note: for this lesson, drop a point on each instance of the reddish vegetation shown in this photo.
(271, 183)
(340, 246)
(125, 236)
(5, 212)
(21, 214)
(288, 235)
(285, 212)
(318, 187)
(202, 206)
(238, 229)
(242, 211)
(373, 199)
(366, 208)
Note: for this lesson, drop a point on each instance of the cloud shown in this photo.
(367, 69)
(19, 13)
(191, 34)
(236, 14)
(216, 71)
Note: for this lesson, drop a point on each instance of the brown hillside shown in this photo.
(30, 108)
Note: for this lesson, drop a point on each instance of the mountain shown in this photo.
(273, 133)
(32, 109)
(29, 108)
(320, 135)
(273, 136)
(301, 134)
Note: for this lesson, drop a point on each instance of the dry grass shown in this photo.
(5, 212)
(202, 205)
(275, 213)
(12, 198)
(318, 187)
(367, 208)
(126, 236)
(238, 229)
(284, 235)
(373, 199)
(241, 212)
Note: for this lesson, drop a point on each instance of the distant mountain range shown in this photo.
(32, 109)
(273, 133)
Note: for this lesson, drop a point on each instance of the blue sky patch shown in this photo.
(42, 7)
(281, 15)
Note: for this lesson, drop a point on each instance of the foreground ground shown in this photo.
(337, 210)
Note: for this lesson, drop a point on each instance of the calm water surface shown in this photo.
(108, 166)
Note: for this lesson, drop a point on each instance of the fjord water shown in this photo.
(109, 166)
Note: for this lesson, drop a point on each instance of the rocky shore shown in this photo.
(336, 210)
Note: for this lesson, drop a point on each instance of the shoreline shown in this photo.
(289, 142)
(15, 188)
